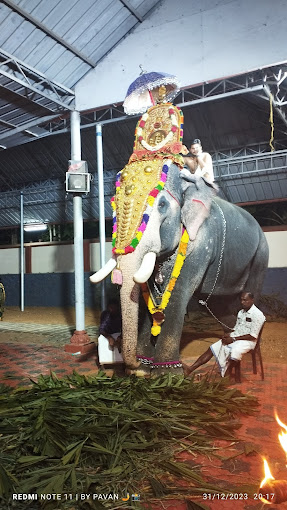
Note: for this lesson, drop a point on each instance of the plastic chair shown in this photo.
(254, 352)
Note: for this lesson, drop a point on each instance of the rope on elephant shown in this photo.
(204, 303)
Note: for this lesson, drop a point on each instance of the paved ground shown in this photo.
(28, 349)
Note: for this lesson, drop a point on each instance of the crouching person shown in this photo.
(109, 341)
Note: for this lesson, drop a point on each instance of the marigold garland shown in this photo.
(180, 258)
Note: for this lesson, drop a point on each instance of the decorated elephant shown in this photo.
(174, 239)
(222, 252)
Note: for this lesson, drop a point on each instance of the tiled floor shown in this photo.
(239, 465)
(21, 363)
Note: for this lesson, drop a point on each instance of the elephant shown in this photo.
(226, 254)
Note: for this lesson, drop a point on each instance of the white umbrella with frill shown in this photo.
(144, 91)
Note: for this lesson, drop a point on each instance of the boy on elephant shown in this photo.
(198, 162)
(230, 349)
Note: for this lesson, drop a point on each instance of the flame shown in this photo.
(267, 474)
(283, 435)
(267, 477)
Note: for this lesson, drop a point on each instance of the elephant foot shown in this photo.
(167, 367)
(164, 371)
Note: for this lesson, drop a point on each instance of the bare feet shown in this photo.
(186, 370)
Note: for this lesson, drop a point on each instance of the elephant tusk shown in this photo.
(104, 271)
(146, 268)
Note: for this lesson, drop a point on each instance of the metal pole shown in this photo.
(22, 251)
(102, 227)
(78, 229)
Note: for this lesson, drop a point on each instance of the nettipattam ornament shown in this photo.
(158, 144)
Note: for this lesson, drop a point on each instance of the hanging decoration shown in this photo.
(157, 311)
(271, 123)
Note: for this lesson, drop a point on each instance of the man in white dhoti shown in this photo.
(242, 339)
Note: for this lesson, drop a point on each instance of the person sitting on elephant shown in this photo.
(198, 162)
(230, 349)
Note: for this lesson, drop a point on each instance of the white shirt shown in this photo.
(249, 322)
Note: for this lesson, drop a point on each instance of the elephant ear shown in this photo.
(198, 195)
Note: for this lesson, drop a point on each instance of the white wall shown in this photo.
(95, 255)
(53, 259)
(277, 242)
(60, 258)
(196, 40)
(9, 260)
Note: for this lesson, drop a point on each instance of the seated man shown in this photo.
(109, 341)
(233, 345)
(198, 162)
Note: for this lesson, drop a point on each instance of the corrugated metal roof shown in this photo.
(47, 47)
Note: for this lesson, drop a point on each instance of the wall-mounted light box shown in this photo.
(78, 179)
(78, 183)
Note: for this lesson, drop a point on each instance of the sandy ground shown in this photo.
(199, 330)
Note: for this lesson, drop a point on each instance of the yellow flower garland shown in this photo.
(180, 258)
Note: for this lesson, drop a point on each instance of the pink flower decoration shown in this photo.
(114, 228)
(171, 111)
(163, 177)
(140, 138)
(174, 129)
(142, 227)
(142, 123)
(129, 249)
(118, 184)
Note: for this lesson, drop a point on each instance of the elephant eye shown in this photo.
(162, 204)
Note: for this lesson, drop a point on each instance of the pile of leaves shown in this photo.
(102, 435)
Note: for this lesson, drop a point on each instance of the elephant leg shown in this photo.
(258, 267)
(146, 342)
(167, 356)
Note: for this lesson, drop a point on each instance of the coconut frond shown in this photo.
(84, 434)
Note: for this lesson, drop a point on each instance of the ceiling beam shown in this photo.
(49, 32)
(35, 81)
(132, 10)
(24, 128)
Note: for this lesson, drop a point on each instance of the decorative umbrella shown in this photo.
(143, 92)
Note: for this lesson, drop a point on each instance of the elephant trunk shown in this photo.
(130, 308)
(134, 272)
